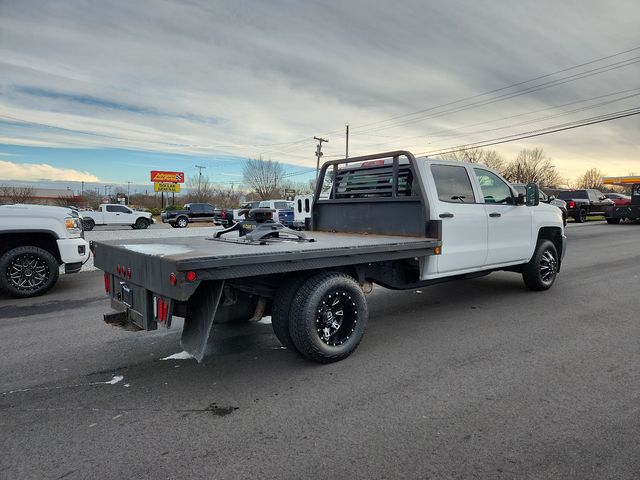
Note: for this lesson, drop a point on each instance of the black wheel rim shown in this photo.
(28, 272)
(548, 266)
(336, 318)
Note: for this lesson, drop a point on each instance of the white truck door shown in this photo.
(509, 224)
(464, 222)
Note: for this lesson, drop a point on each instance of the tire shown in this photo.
(182, 222)
(88, 225)
(613, 221)
(317, 301)
(28, 271)
(581, 217)
(541, 271)
(281, 310)
(142, 223)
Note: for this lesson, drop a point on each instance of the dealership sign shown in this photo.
(166, 187)
(167, 177)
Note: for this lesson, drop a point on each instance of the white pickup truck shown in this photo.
(389, 219)
(34, 241)
(116, 214)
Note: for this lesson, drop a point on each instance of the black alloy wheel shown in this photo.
(328, 317)
(28, 271)
(542, 269)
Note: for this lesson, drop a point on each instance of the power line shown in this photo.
(537, 133)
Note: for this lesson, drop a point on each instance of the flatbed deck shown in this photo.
(226, 259)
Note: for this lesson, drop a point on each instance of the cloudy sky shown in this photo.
(106, 91)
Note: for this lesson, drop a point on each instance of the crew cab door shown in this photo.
(118, 214)
(509, 225)
(464, 222)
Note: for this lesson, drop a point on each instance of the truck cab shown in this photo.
(116, 214)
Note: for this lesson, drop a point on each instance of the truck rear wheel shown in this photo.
(88, 224)
(328, 317)
(28, 271)
(542, 269)
(281, 310)
(581, 216)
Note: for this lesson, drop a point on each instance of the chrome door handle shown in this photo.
(495, 215)
(446, 215)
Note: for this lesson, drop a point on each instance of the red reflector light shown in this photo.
(372, 163)
(173, 279)
(128, 272)
(162, 310)
(119, 269)
(107, 283)
(191, 276)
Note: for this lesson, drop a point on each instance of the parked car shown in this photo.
(192, 212)
(35, 240)
(619, 199)
(584, 202)
(116, 214)
(550, 199)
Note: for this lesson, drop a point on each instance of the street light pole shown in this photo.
(346, 148)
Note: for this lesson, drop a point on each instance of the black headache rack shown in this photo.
(375, 194)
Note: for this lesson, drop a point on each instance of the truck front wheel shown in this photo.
(142, 223)
(328, 317)
(542, 269)
(28, 271)
(182, 222)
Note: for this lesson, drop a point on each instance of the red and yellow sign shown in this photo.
(168, 177)
(166, 187)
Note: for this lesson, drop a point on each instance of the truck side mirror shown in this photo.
(533, 195)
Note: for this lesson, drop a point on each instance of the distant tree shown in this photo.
(12, 194)
(532, 166)
(200, 190)
(489, 158)
(592, 178)
(264, 177)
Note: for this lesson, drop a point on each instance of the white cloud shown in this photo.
(42, 171)
(262, 78)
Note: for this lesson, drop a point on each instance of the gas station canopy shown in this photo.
(622, 181)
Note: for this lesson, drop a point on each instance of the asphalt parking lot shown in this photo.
(474, 379)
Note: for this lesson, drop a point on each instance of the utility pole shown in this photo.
(346, 148)
(319, 153)
(199, 167)
(128, 183)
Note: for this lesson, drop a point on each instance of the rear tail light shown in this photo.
(107, 283)
(191, 276)
(270, 215)
(223, 214)
(128, 272)
(160, 309)
(572, 204)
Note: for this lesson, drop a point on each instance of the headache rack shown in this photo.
(376, 194)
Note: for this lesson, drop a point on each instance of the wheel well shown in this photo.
(142, 218)
(46, 241)
(555, 235)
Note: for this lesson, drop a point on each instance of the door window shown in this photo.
(453, 184)
(494, 189)
(118, 209)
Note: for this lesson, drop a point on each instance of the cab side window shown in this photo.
(494, 189)
(452, 184)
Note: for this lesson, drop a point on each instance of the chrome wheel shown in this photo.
(28, 272)
(336, 319)
(548, 266)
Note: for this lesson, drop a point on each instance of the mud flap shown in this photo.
(198, 322)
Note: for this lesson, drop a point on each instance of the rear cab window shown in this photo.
(452, 184)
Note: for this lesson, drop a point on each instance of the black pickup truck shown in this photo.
(192, 212)
(585, 202)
